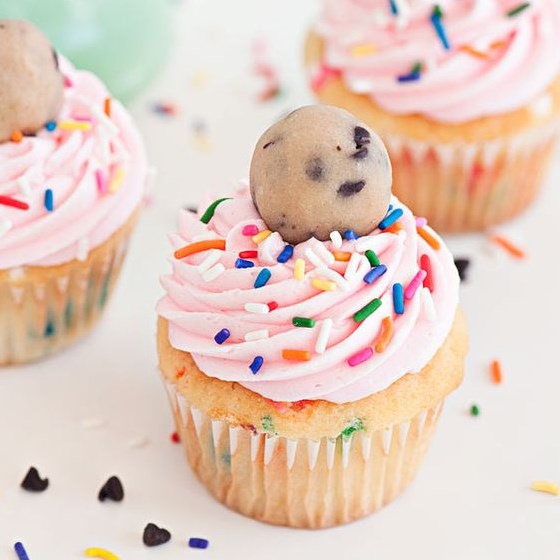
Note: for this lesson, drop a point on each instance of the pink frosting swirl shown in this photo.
(372, 48)
(197, 309)
(97, 178)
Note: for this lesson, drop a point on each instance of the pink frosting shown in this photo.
(69, 162)
(196, 310)
(454, 86)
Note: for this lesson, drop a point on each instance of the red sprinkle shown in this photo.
(250, 230)
(426, 266)
(175, 437)
(248, 254)
(272, 305)
(12, 202)
(323, 76)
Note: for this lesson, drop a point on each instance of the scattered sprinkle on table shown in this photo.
(209, 212)
(112, 490)
(367, 310)
(200, 246)
(518, 9)
(95, 552)
(167, 109)
(546, 486)
(256, 364)
(33, 481)
(475, 410)
(496, 371)
(20, 551)
(154, 535)
(195, 542)
(508, 246)
(262, 278)
(462, 265)
(175, 438)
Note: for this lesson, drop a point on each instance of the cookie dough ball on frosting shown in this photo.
(31, 85)
(319, 170)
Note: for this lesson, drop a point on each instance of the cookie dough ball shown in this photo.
(31, 85)
(319, 170)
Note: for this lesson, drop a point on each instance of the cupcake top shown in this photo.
(453, 61)
(66, 186)
(336, 320)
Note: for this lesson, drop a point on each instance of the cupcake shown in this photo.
(72, 177)
(310, 330)
(465, 94)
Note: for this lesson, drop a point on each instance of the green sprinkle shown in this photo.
(438, 12)
(268, 425)
(475, 411)
(367, 310)
(357, 425)
(303, 322)
(208, 215)
(372, 258)
(518, 9)
(416, 68)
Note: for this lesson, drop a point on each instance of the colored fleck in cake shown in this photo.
(307, 370)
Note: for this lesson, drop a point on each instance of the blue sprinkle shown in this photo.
(242, 263)
(394, 8)
(412, 77)
(49, 329)
(286, 254)
(390, 219)
(20, 551)
(398, 298)
(349, 235)
(51, 126)
(198, 543)
(222, 336)
(390, 208)
(49, 200)
(375, 273)
(262, 278)
(440, 30)
(256, 364)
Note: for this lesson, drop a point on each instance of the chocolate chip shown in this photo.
(33, 481)
(338, 148)
(112, 490)
(462, 267)
(360, 154)
(154, 535)
(349, 188)
(192, 209)
(361, 136)
(315, 169)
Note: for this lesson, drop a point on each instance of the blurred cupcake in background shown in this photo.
(72, 179)
(465, 93)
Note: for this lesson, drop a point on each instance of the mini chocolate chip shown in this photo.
(268, 144)
(361, 153)
(315, 169)
(112, 490)
(154, 535)
(192, 209)
(462, 267)
(338, 148)
(349, 188)
(361, 136)
(33, 481)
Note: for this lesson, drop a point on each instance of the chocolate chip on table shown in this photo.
(462, 265)
(33, 481)
(154, 535)
(112, 490)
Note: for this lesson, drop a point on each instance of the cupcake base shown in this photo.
(45, 309)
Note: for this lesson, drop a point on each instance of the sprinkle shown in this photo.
(393, 7)
(256, 335)
(261, 308)
(107, 106)
(496, 371)
(462, 267)
(209, 212)
(475, 411)
(13, 203)
(546, 486)
(261, 236)
(198, 543)
(256, 364)
(51, 126)
(221, 336)
(506, 244)
(395, 228)
(428, 305)
(209, 261)
(375, 273)
(341, 256)
(296, 355)
(385, 336)
(390, 219)
(323, 338)
(367, 310)
(299, 269)
(286, 254)
(428, 238)
(75, 125)
(313, 258)
(248, 254)
(353, 265)
(410, 77)
(262, 278)
(518, 9)
(439, 28)
(175, 437)
(421, 222)
(242, 263)
(361, 356)
(426, 265)
(398, 298)
(167, 109)
(336, 239)
(414, 284)
(16, 136)
(350, 235)
(250, 230)
(323, 253)
(303, 322)
(372, 258)
(324, 285)
(112, 490)
(20, 551)
(5, 227)
(33, 481)
(356, 425)
(214, 272)
(95, 552)
(117, 180)
(200, 246)
(154, 535)
(474, 52)
(363, 50)
(102, 186)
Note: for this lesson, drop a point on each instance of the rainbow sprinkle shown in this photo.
(367, 310)
(261, 236)
(390, 219)
(372, 258)
(49, 200)
(51, 126)
(510, 247)
(75, 125)
(324, 334)
(20, 551)
(518, 9)
(296, 355)
(255, 367)
(200, 246)
(222, 336)
(299, 269)
(415, 283)
(13, 203)
(375, 273)
(303, 322)
(426, 265)
(323, 285)
(202, 543)
(546, 486)
(117, 180)
(385, 336)
(360, 357)
(272, 305)
(209, 212)
(363, 50)
(496, 371)
(342, 256)
(428, 238)
(435, 18)
(250, 230)
(248, 254)
(336, 239)
(398, 298)
(349, 235)
(262, 278)
(102, 186)
(100, 553)
(286, 254)
(393, 7)
(261, 308)
(242, 263)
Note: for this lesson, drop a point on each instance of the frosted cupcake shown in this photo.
(72, 176)
(466, 95)
(309, 335)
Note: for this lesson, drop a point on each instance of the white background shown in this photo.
(471, 499)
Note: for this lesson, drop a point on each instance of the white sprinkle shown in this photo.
(24, 185)
(428, 305)
(333, 275)
(83, 249)
(542, 105)
(323, 253)
(261, 308)
(5, 227)
(313, 258)
(212, 258)
(323, 338)
(256, 335)
(365, 243)
(92, 423)
(336, 239)
(138, 442)
(353, 265)
(213, 272)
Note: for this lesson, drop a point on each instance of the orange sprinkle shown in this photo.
(200, 246)
(296, 355)
(506, 244)
(474, 52)
(180, 373)
(107, 106)
(428, 238)
(385, 336)
(395, 228)
(342, 256)
(496, 370)
(16, 136)
(498, 44)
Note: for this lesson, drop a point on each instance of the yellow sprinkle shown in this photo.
(299, 269)
(117, 180)
(325, 285)
(74, 125)
(363, 50)
(261, 236)
(546, 486)
(101, 553)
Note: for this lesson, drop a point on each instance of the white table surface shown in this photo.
(471, 499)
